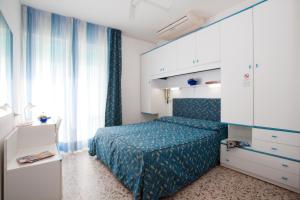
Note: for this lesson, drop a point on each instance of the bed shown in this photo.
(155, 159)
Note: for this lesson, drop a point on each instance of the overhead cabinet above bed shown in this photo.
(197, 51)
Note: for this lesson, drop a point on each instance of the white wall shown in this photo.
(131, 50)
(11, 10)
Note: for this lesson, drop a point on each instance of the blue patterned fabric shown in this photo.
(113, 111)
(198, 108)
(196, 123)
(155, 159)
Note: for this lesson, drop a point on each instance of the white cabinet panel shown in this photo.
(199, 48)
(262, 159)
(208, 45)
(146, 61)
(164, 59)
(276, 149)
(236, 69)
(277, 56)
(187, 51)
(276, 137)
(266, 172)
(152, 99)
(153, 62)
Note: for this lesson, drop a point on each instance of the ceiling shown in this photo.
(115, 13)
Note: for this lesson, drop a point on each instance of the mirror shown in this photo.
(6, 56)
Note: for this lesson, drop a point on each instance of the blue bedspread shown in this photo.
(155, 159)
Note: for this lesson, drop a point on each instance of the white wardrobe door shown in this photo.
(186, 51)
(146, 82)
(168, 57)
(277, 55)
(208, 45)
(237, 69)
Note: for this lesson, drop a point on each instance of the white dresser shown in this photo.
(273, 156)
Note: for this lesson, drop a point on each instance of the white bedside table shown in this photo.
(52, 125)
(35, 181)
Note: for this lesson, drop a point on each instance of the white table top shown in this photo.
(14, 165)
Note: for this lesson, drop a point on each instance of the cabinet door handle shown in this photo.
(274, 136)
(197, 60)
(250, 66)
(284, 165)
(274, 149)
(227, 160)
(257, 65)
(284, 178)
(193, 61)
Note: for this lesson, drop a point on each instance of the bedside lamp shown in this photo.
(27, 109)
(5, 107)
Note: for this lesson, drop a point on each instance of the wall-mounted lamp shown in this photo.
(213, 84)
(175, 88)
(167, 93)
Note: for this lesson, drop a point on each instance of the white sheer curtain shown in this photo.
(5, 63)
(66, 73)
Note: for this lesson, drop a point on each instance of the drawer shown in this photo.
(276, 136)
(278, 176)
(276, 149)
(270, 161)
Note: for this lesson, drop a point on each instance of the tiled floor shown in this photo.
(85, 178)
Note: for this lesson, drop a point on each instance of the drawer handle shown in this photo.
(274, 136)
(227, 160)
(284, 165)
(274, 149)
(284, 178)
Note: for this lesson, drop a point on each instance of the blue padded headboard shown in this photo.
(198, 108)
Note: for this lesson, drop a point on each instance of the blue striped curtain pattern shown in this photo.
(66, 73)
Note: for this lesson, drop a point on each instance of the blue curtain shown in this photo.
(113, 112)
(66, 73)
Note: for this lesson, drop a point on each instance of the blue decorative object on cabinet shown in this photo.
(192, 82)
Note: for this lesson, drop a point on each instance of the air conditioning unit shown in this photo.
(185, 24)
